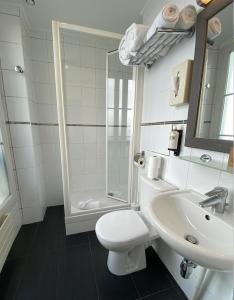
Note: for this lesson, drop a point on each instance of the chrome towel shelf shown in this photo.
(159, 45)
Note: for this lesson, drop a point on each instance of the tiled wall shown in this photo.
(44, 115)
(182, 174)
(14, 49)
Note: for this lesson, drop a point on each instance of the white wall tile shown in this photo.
(90, 150)
(14, 84)
(87, 77)
(21, 135)
(90, 135)
(24, 157)
(88, 115)
(10, 29)
(45, 93)
(40, 72)
(177, 172)
(100, 78)
(159, 138)
(28, 187)
(72, 54)
(50, 51)
(18, 109)
(51, 73)
(204, 183)
(72, 75)
(100, 58)
(100, 97)
(87, 57)
(88, 97)
(75, 134)
(101, 116)
(32, 215)
(39, 50)
(11, 55)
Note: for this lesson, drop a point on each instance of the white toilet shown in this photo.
(127, 233)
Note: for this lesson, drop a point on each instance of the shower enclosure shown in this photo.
(96, 98)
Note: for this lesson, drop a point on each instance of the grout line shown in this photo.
(68, 124)
(165, 123)
(134, 283)
(156, 293)
(93, 267)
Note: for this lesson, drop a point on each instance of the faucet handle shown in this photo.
(217, 190)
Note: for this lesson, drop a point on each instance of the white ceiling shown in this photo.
(111, 15)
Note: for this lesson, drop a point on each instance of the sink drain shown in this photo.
(191, 239)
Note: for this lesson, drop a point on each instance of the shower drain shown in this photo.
(191, 239)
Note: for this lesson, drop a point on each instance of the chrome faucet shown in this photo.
(217, 199)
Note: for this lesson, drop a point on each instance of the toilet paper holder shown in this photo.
(139, 159)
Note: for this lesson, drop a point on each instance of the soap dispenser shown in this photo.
(175, 140)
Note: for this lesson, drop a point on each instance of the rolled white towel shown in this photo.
(123, 51)
(167, 18)
(135, 35)
(187, 17)
(214, 28)
(89, 204)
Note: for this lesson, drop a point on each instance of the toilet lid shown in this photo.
(124, 226)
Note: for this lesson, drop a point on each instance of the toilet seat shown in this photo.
(121, 230)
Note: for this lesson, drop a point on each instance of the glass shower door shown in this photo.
(118, 127)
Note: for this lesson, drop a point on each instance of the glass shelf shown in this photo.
(211, 164)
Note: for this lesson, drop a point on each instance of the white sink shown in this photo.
(177, 215)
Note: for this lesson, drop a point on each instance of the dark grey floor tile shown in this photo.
(110, 286)
(75, 239)
(10, 278)
(93, 237)
(50, 234)
(154, 278)
(24, 240)
(170, 294)
(39, 278)
(76, 276)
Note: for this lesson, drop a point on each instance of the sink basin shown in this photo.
(193, 232)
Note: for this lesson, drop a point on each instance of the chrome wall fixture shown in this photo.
(186, 268)
(19, 69)
(31, 2)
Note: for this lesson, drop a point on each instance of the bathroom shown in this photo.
(116, 165)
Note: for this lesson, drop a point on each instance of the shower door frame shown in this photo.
(130, 173)
(56, 27)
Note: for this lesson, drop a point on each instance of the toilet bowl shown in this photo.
(127, 233)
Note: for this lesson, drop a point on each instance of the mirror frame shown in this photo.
(196, 85)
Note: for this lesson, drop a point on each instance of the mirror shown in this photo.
(215, 119)
(210, 122)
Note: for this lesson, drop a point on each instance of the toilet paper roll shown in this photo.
(155, 162)
(154, 167)
(153, 173)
